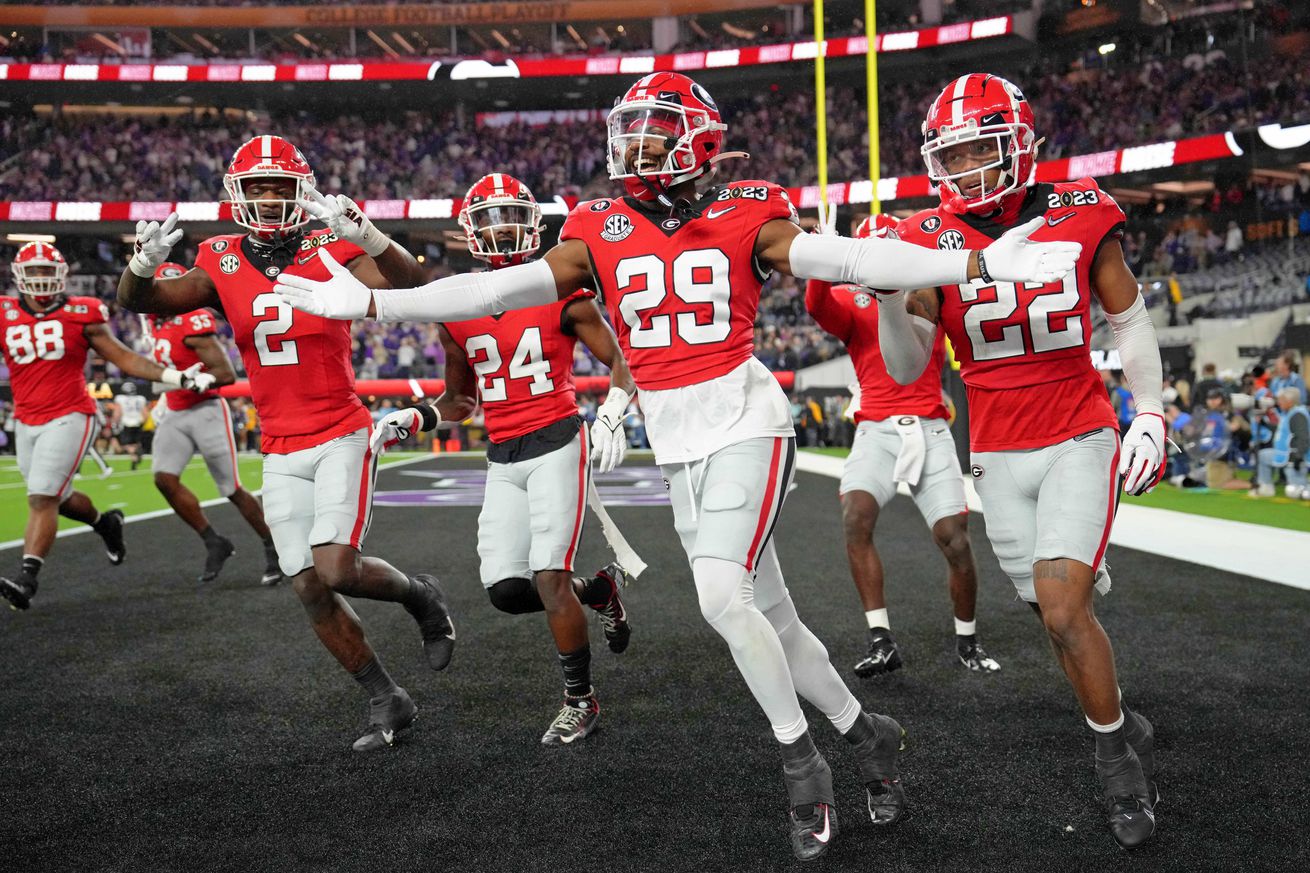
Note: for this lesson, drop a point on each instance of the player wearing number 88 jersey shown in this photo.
(1046, 455)
(318, 467)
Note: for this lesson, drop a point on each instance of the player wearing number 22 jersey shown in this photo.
(1046, 456)
(318, 465)
(680, 272)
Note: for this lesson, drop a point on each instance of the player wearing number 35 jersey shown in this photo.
(679, 270)
(318, 466)
(1046, 461)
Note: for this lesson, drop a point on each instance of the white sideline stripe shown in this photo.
(1269, 553)
(160, 513)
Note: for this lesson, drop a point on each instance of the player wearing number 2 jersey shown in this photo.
(318, 466)
(1047, 461)
(519, 365)
(680, 272)
(46, 338)
(188, 423)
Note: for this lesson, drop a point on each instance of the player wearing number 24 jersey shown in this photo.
(679, 269)
(318, 464)
(1046, 460)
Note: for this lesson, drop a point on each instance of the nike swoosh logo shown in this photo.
(711, 213)
(388, 736)
(826, 834)
(451, 635)
(1052, 221)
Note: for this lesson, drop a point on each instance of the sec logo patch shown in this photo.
(229, 264)
(617, 227)
(952, 240)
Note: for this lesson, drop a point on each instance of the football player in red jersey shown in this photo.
(187, 423)
(901, 436)
(47, 336)
(318, 466)
(680, 272)
(1046, 460)
(519, 365)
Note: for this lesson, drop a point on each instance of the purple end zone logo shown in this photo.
(626, 486)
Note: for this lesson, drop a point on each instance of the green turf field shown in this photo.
(132, 491)
(1233, 505)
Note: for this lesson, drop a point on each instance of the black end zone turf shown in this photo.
(149, 723)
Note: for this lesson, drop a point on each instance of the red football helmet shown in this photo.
(673, 111)
(978, 108)
(267, 157)
(40, 270)
(501, 220)
(881, 225)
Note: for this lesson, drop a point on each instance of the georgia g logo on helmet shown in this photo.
(979, 144)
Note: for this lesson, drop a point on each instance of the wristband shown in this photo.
(431, 418)
(171, 377)
(140, 268)
(982, 268)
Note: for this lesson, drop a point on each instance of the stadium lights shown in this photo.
(1107, 48)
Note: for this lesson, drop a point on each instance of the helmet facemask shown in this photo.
(42, 279)
(247, 210)
(653, 141)
(1010, 143)
(502, 230)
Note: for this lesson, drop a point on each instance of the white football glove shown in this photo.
(1142, 455)
(342, 296)
(346, 219)
(153, 243)
(827, 225)
(609, 441)
(192, 379)
(397, 426)
(1013, 258)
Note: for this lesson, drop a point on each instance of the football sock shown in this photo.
(862, 730)
(1133, 731)
(1110, 740)
(727, 600)
(32, 565)
(577, 672)
(592, 592)
(877, 618)
(375, 679)
(812, 673)
(965, 628)
(95, 525)
(210, 536)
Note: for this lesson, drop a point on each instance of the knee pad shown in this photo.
(724, 588)
(515, 596)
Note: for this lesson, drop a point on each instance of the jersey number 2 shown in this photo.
(277, 353)
(1011, 342)
(528, 362)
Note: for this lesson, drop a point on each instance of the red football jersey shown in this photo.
(168, 347)
(299, 366)
(682, 292)
(46, 356)
(850, 313)
(524, 363)
(1024, 350)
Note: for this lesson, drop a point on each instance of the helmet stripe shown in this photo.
(957, 98)
(266, 144)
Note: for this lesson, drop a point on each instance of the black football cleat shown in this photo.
(883, 656)
(434, 622)
(110, 529)
(272, 570)
(877, 755)
(612, 613)
(19, 592)
(387, 716)
(1141, 736)
(216, 555)
(813, 828)
(1127, 799)
(973, 656)
(578, 719)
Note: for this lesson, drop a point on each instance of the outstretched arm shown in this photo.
(113, 351)
(210, 352)
(563, 270)
(906, 327)
(888, 263)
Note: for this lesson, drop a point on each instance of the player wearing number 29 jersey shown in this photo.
(1047, 461)
(318, 466)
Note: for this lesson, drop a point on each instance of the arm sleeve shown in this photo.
(905, 341)
(830, 315)
(470, 295)
(876, 262)
(1139, 356)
